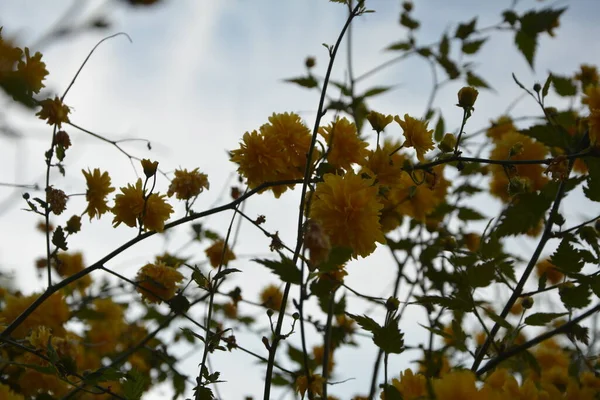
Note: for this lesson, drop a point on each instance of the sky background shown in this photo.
(201, 73)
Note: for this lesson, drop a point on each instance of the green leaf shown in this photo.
(284, 269)
(399, 46)
(375, 91)
(535, 22)
(564, 86)
(440, 129)
(134, 385)
(546, 86)
(472, 47)
(576, 296)
(392, 393)
(444, 45)
(407, 21)
(468, 214)
(476, 81)
(449, 302)
(526, 44)
(566, 257)
(308, 82)
(224, 272)
(481, 275)
(467, 188)
(592, 191)
(367, 323)
(523, 215)
(497, 319)
(389, 338)
(337, 256)
(539, 319)
(465, 30)
(548, 135)
(531, 360)
(449, 66)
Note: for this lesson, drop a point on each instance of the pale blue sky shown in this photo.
(199, 74)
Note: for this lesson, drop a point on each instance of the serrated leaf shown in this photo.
(444, 45)
(481, 275)
(476, 81)
(465, 30)
(440, 129)
(438, 332)
(472, 47)
(337, 256)
(449, 67)
(592, 190)
(134, 385)
(365, 322)
(539, 319)
(526, 43)
(520, 217)
(389, 338)
(537, 21)
(449, 302)
(564, 86)
(576, 296)
(566, 257)
(547, 135)
(284, 269)
(469, 214)
(308, 82)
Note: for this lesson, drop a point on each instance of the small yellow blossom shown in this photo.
(130, 206)
(588, 75)
(215, 252)
(348, 210)
(157, 282)
(187, 185)
(271, 297)
(52, 313)
(553, 275)
(32, 71)
(345, 146)
(499, 127)
(456, 385)
(316, 384)
(6, 393)
(416, 134)
(411, 386)
(467, 97)
(68, 264)
(379, 121)
(98, 187)
(54, 111)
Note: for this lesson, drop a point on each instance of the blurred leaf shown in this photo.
(308, 82)
(482, 275)
(523, 215)
(284, 269)
(444, 45)
(440, 129)
(225, 272)
(539, 319)
(469, 214)
(473, 46)
(497, 319)
(407, 21)
(564, 86)
(526, 44)
(449, 302)
(337, 256)
(399, 46)
(592, 191)
(375, 91)
(476, 81)
(546, 87)
(134, 385)
(449, 66)
(465, 30)
(548, 135)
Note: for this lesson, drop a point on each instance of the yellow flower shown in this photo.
(456, 385)
(277, 153)
(52, 313)
(319, 354)
(345, 146)
(549, 355)
(499, 127)
(386, 168)
(187, 185)
(411, 386)
(157, 282)
(316, 384)
(553, 275)
(98, 187)
(379, 121)
(416, 134)
(588, 75)
(594, 126)
(32, 71)
(348, 210)
(592, 98)
(129, 206)
(271, 297)
(518, 147)
(7, 394)
(70, 263)
(54, 111)
(417, 201)
(215, 252)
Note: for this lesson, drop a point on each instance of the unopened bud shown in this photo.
(448, 143)
(392, 304)
(467, 97)
(527, 302)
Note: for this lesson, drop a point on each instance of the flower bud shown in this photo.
(149, 167)
(310, 62)
(527, 302)
(270, 312)
(392, 304)
(467, 97)
(448, 143)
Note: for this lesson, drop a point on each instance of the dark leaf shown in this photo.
(367, 323)
(526, 44)
(468, 214)
(308, 82)
(566, 257)
(576, 296)
(564, 86)
(476, 81)
(285, 269)
(539, 319)
(444, 45)
(389, 338)
(400, 46)
(465, 30)
(523, 215)
(548, 135)
(473, 46)
(224, 272)
(440, 129)
(592, 191)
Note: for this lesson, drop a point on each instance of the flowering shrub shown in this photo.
(408, 187)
